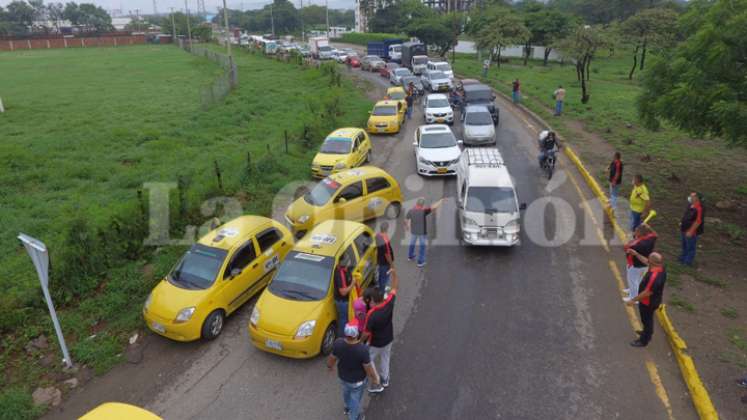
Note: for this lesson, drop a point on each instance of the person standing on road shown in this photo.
(344, 283)
(353, 368)
(485, 67)
(385, 255)
(410, 100)
(559, 96)
(416, 223)
(691, 227)
(640, 202)
(378, 329)
(650, 293)
(516, 91)
(616, 172)
(643, 243)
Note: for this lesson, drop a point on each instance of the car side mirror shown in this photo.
(523, 206)
(234, 273)
(342, 200)
(414, 144)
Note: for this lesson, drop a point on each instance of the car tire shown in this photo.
(328, 340)
(213, 325)
(393, 210)
(368, 157)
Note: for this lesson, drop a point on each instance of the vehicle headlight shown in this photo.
(303, 219)
(424, 161)
(469, 222)
(185, 314)
(315, 165)
(512, 226)
(254, 319)
(340, 165)
(148, 301)
(306, 329)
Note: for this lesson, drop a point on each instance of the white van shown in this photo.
(489, 210)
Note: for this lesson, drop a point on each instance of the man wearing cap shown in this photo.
(650, 294)
(378, 329)
(385, 255)
(416, 223)
(643, 242)
(353, 368)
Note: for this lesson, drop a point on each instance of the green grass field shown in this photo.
(83, 130)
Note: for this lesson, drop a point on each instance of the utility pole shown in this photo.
(228, 33)
(137, 19)
(189, 27)
(302, 30)
(173, 26)
(272, 21)
(155, 8)
(326, 8)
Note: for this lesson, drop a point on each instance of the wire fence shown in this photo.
(222, 85)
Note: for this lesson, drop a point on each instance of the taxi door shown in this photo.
(376, 201)
(366, 269)
(349, 202)
(242, 272)
(358, 154)
(272, 248)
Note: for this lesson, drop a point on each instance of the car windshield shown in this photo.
(438, 103)
(384, 111)
(479, 95)
(420, 60)
(325, 48)
(397, 94)
(401, 72)
(396, 48)
(491, 200)
(337, 145)
(442, 66)
(303, 277)
(322, 192)
(437, 140)
(436, 75)
(199, 267)
(478, 118)
(411, 79)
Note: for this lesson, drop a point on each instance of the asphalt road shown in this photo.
(533, 332)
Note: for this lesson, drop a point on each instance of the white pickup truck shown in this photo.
(489, 211)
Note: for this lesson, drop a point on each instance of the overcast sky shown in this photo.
(146, 6)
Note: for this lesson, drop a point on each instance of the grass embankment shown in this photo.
(83, 131)
(361, 38)
(674, 164)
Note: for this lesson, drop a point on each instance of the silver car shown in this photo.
(396, 75)
(436, 81)
(478, 125)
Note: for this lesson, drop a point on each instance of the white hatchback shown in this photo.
(437, 109)
(437, 151)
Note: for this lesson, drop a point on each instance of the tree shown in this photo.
(700, 85)
(180, 21)
(20, 13)
(71, 12)
(547, 26)
(441, 31)
(497, 28)
(398, 15)
(603, 11)
(94, 17)
(581, 46)
(650, 28)
(54, 13)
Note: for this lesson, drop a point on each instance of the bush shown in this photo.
(17, 405)
(360, 38)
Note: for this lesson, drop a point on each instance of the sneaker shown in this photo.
(421, 265)
(626, 291)
(638, 343)
(410, 258)
(385, 383)
(375, 389)
(346, 411)
(740, 382)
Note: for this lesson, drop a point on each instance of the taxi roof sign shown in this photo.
(323, 239)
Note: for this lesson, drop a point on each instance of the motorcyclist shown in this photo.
(548, 145)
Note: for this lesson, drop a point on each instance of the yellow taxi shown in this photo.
(119, 411)
(296, 315)
(397, 93)
(355, 194)
(344, 148)
(386, 117)
(215, 277)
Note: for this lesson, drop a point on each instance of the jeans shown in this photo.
(634, 276)
(516, 97)
(422, 239)
(647, 319)
(383, 277)
(635, 220)
(614, 190)
(342, 316)
(409, 111)
(689, 245)
(558, 107)
(382, 354)
(352, 394)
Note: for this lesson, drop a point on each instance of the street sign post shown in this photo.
(39, 255)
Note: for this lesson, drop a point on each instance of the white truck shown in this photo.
(320, 48)
(489, 213)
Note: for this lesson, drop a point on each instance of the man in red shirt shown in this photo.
(691, 227)
(643, 242)
(616, 171)
(378, 328)
(650, 294)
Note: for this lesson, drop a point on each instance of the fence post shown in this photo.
(83, 42)
(48, 46)
(115, 41)
(28, 42)
(64, 41)
(11, 46)
(218, 175)
(286, 141)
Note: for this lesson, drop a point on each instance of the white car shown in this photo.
(437, 109)
(396, 75)
(478, 126)
(437, 151)
(441, 66)
(436, 81)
